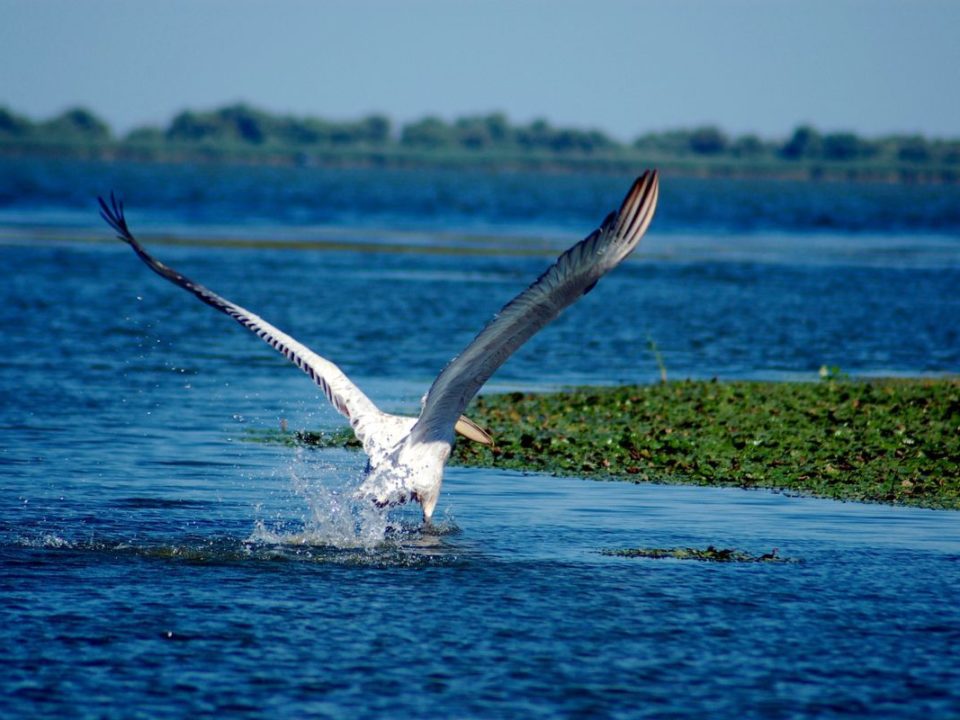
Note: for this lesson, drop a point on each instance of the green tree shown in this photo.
(375, 129)
(483, 131)
(472, 133)
(804, 143)
(671, 142)
(748, 146)
(498, 127)
(309, 131)
(233, 123)
(708, 140)
(244, 123)
(344, 133)
(844, 146)
(951, 153)
(430, 132)
(538, 135)
(76, 124)
(13, 125)
(585, 141)
(193, 127)
(913, 149)
(146, 134)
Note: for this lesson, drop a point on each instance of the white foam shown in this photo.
(47, 540)
(333, 517)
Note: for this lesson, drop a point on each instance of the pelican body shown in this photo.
(407, 455)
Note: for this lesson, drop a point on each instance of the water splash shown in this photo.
(44, 541)
(333, 517)
(339, 526)
(313, 516)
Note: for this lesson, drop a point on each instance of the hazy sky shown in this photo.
(873, 66)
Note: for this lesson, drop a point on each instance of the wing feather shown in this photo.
(346, 397)
(574, 274)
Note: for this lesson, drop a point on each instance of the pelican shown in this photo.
(407, 455)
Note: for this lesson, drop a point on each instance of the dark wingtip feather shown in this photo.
(112, 214)
(638, 206)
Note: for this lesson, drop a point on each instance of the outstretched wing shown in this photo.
(342, 394)
(572, 276)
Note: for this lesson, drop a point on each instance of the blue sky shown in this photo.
(873, 66)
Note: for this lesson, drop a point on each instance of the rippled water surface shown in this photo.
(155, 561)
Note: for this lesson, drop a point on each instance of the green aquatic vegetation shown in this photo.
(341, 437)
(893, 441)
(889, 441)
(710, 554)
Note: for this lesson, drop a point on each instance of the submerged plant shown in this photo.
(658, 356)
(710, 554)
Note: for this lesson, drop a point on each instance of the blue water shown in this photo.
(156, 562)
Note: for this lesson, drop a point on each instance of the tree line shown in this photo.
(805, 143)
(243, 126)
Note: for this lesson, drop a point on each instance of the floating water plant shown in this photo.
(341, 437)
(891, 441)
(710, 554)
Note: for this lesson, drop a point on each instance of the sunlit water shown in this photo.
(155, 561)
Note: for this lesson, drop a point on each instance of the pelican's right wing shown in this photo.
(346, 397)
(572, 276)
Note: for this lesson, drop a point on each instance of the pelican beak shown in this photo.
(470, 430)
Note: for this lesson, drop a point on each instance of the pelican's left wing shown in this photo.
(346, 397)
(572, 276)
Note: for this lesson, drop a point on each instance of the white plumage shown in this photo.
(407, 455)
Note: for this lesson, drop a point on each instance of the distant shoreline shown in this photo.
(243, 135)
(398, 158)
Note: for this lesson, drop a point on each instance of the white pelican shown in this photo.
(406, 454)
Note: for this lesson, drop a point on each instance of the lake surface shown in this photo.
(155, 561)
